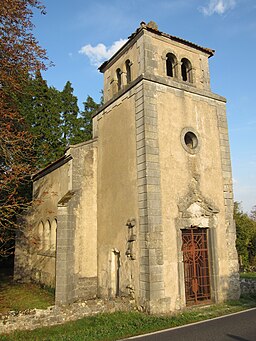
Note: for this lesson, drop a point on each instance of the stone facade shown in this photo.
(157, 172)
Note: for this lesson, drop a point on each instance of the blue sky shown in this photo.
(79, 34)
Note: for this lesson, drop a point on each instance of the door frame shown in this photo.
(196, 265)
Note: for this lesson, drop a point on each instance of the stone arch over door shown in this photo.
(197, 253)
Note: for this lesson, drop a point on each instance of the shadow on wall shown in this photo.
(35, 248)
(6, 267)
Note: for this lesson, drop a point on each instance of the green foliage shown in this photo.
(246, 238)
(249, 275)
(53, 118)
(41, 108)
(46, 108)
(90, 107)
(70, 123)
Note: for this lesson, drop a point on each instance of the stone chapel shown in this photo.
(145, 208)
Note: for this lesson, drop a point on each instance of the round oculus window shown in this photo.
(189, 140)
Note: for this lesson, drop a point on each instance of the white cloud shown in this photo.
(218, 7)
(97, 54)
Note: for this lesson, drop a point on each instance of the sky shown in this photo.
(80, 34)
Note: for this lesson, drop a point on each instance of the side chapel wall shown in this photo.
(61, 248)
(37, 260)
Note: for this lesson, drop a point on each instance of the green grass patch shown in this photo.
(249, 275)
(19, 297)
(110, 327)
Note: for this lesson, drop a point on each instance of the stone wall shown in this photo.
(248, 286)
(54, 315)
(76, 256)
(117, 198)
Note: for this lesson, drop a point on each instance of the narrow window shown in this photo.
(128, 71)
(53, 235)
(118, 75)
(171, 63)
(41, 235)
(47, 235)
(186, 70)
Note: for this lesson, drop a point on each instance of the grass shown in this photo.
(107, 327)
(19, 297)
(249, 275)
(115, 326)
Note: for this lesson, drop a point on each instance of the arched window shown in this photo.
(53, 234)
(171, 64)
(186, 70)
(118, 75)
(41, 235)
(47, 235)
(128, 71)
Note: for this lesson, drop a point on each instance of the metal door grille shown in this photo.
(196, 268)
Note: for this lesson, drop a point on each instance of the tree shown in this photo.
(246, 238)
(45, 122)
(253, 241)
(54, 119)
(90, 107)
(253, 213)
(42, 108)
(70, 122)
(20, 55)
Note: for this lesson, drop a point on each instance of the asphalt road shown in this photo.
(236, 327)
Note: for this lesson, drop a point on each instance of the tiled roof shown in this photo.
(152, 27)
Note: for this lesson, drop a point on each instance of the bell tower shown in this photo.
(164, 165)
